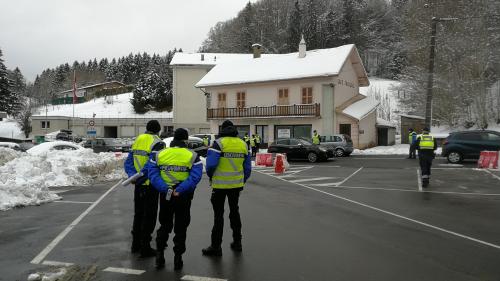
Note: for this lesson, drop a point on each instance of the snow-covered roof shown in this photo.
(317, 63)
(117, 106)
(94, 85)
(384, 123)
(210, 59)
(362, 108)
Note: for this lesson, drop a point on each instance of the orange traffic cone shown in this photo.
(279, 167)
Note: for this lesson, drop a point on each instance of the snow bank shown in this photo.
(7, 154)
(398, 149)
(25, 180)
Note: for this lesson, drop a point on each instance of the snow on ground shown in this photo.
(9, 129)
(117, 106)
(26, 179)
(7, 154)
(398, 149)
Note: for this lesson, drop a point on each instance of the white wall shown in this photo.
(368, 126)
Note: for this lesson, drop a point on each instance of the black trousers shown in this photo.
(145, 211)
(425, 162)
(218, 199)
(413, 152)
(174, 214)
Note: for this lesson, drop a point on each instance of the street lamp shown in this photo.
(430, 78)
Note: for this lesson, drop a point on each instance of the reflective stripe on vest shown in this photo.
(229, 173)
(315, 139)
(141, 149)
(175, 164)
(426, 142)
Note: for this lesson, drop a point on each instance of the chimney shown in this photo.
(302, 48)
(257, 49)
(202, 57)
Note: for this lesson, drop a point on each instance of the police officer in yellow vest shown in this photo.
(253, 144)
(145, 196)
(228, 166)
(426, 145)
(258, 140)
(316, 138)
(412, 137)
(206, 141)
(174, 172)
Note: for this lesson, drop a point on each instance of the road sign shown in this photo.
(91, 123)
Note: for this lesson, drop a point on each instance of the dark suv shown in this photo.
(301, 149)
(469, 144)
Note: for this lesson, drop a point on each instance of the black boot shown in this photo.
(178, 263)
(425, 182)
(236, 246)
(212, 251)
(147, 251)
(160, 259)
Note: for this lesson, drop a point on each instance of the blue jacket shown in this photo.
(213, 156)
(184, 188)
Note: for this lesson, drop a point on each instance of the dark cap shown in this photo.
(226, 124)
(426, 129)
(153, 126)
(181, 134)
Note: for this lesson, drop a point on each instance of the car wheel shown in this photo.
(312, 157)
(339, 152)
(455, 157)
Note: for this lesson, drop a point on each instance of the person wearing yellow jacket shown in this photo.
(228, 165)
(426, 145)
(145, 196)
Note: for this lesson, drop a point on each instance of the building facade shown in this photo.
(294, 94)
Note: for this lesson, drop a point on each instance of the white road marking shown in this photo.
(346, 179)
(200, 278)
(65, 232)
(124, 270)
(412, 190)
(493, 175)
(401, 217)
(451, 165)
(419, 180)
(57, 263)
(312, 179)
(327, 166)
(73, 202)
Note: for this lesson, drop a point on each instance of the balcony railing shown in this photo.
(301, 110)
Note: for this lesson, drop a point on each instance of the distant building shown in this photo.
(290, 95)
(85, 93)
(3, 114)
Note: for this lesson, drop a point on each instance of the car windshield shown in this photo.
(304, 142)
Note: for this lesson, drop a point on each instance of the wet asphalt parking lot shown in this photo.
(355, 218)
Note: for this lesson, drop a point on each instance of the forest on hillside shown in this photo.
(393, 38)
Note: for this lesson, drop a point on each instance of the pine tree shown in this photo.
(9, 101)
(310, 25)
(294, 28)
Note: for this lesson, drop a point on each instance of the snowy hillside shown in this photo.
(384, 90)
(118, 106)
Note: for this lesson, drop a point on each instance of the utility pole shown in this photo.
(430, 77)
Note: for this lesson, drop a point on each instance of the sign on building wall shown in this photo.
(284, 133)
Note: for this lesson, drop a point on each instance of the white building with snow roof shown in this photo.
(290, 95)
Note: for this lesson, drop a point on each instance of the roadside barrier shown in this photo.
(264, 159)
(488, 160)
(279, 164)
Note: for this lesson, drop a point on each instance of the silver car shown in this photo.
(341, 144)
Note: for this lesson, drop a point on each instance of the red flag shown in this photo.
(74, 87)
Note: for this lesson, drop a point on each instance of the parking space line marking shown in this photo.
(65, 232)
(400, 216)
(57, 263)
(200, 278)
(412, 190)
(124, 270)
(346, 179)
(493, 175)
(312, 179)
(73, 202)
(419, 180)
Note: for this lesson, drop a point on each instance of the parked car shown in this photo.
(211, 137)
(106, 145)
(194, 143)
(47, 147)
(459, 146)
(301, 149)
(341, 144)
(11, 145)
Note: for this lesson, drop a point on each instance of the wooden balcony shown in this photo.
(302, 110)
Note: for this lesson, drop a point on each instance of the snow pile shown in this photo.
(7, 154)
(117, 106)
(360, 109)
(48, 276)
(398, 149)
(25, 180)
(9, 129)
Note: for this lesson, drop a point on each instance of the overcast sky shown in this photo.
(37, 34)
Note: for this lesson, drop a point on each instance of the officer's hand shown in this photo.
(175, 193)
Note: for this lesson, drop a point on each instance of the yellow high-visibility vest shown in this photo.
(229, 173)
